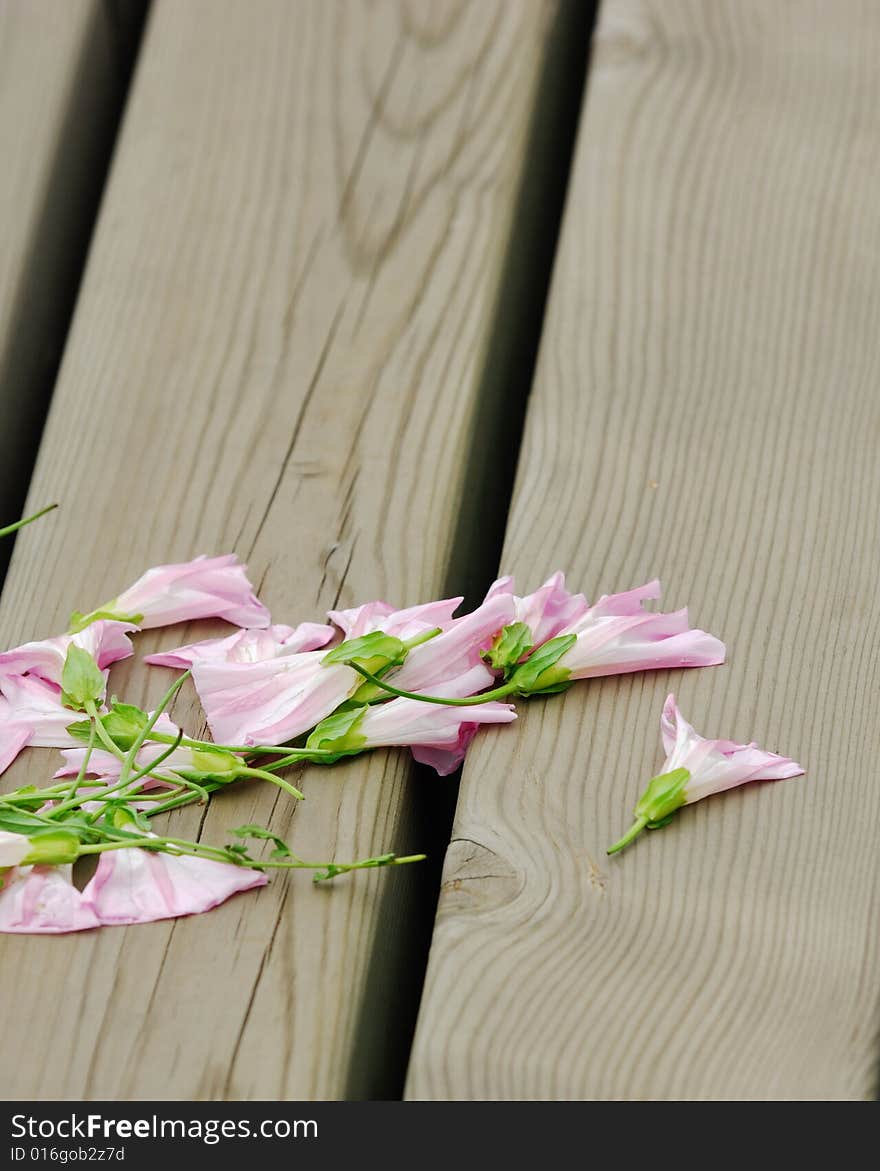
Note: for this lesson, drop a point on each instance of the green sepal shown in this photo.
(338, 734)
(539, 674)
(120, 815)
(123, 724)
(52, 847)
(81, 679)
(664, 795)
(282, 850)
(509, 646)
(79, 621)
(374, 652)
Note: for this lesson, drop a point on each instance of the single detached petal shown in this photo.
(247, 646)
(716, 765)
(107, 642)
(42, 900)
(140, 886)
(456, 652)
(402, 624)
(207, 587)
(272, 701)
(548, 610)
(616, 636)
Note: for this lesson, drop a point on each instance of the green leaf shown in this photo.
(338, 734)
(509, 646)
(539, 674)
(374, 652)
(282, 850)
(81, 679)
(123, 724)
(18, 821)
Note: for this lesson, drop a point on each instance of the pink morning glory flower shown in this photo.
(548, 611)
(247, 646)
(207, 587)
(617, 635)
(106, 641)
(696, 768)
(272, 701)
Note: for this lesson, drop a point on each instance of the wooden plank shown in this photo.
(62, 81)
(705, 409)
(278, 349)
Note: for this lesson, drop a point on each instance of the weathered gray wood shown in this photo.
(706, 409)
(62, 80)
(278, 349)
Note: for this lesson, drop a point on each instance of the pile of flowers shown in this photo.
(276, 697)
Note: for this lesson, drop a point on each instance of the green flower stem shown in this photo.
(417, 640)
(19, 798)
(19, 524)
(631, 834)
(469, 701)
(180, 846)
(138, 743)
(102, 733)
(241, 749)
(264, 775)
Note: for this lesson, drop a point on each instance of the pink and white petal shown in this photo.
(141, 886)
(42, 900)
(458, 649)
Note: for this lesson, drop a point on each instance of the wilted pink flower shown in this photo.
(247, 646)
(272, 701)
(716, 765)
(438, 735)
(402, 624)
(31, 712)
(454, 655)
(616, 636)
(42, 900)
(139, 886)
(107, 642)
(207, 587)
(548, 610)
(696, 768)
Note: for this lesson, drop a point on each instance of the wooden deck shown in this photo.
(305, 334)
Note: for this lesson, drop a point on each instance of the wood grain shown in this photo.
(61, 84)
(277, 350)
(705, 409)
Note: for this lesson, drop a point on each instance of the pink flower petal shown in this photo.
(207, 587)
(247, 646)
(273, 701)
(140, 886)
(456, 652)
(42, 900)
(617, 636)
(402, 624)
(716, 765)
(107, 642)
